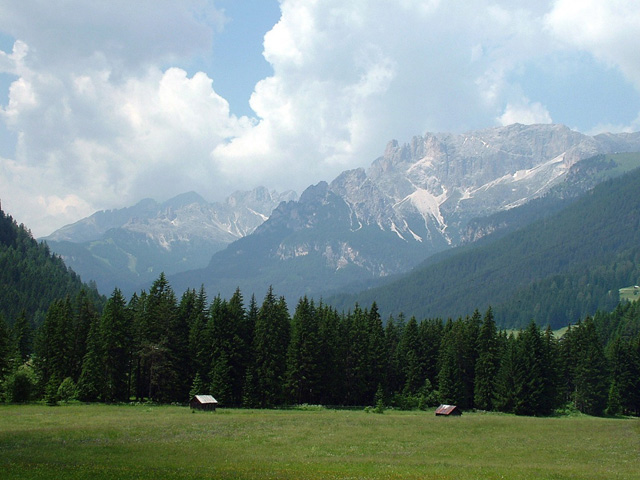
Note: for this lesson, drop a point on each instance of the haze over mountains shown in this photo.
(415, 200)
(130, 247)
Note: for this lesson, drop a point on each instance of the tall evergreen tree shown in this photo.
(411, 359)
(23, 334)
(84, 314)
(54, 342)
(591, 376)
(450, 376)
(6, 349)
(194, 307)
(394, 378)
(304, 355)
(332, 366)
(488, 362)
(158, 374)
(356, 338)
(115, 348)
(377, 354)
(509, 370)
(91, 381)
(270, 342)
(529, 380)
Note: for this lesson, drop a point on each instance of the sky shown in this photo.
(103, 104)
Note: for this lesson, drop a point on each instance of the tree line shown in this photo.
(154, 347)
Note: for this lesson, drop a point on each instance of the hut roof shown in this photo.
(204, 399)
(448, 410)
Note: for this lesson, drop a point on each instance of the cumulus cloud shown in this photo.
(349, 76)
(108, 105)
(524, 112)
(607, 30)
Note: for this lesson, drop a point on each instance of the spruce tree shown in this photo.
(193, 306)
(6, 349)
(450, 376)
(91, 381)
(304, 355)
(505, 388)
(115, 348)
(23, 335)
(270, 342)
(332, 361)
(591, 371)
(487, 364)
(414, 372)
(157, 374)
(377, 352)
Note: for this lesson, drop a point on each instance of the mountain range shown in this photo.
(433, 193)
(130, 247)
(415, 200)
(564, 265)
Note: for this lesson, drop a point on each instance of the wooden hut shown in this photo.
(203, 402)
(448, 410)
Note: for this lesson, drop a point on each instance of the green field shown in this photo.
(148, 442)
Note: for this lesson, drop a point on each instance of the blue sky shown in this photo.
(105, 103)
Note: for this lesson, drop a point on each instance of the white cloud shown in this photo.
(608, 30)
(524, 112)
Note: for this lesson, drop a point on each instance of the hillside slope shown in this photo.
(30, 276)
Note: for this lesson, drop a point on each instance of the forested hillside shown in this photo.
(154, 347)
(555, 271)
(31, 277)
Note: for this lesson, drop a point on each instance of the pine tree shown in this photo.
(197, 387)
(332, 366)
(304, 355)
(394, 377)
(377, 352)
(115, 348)
(450, 376)
(23, 334)
(193, 307)
(53, 348)
(221, 379)
(157, 376)
(414, 372)
(250, 388)
(6, 349)
(91, 381)
(529, 379)
(487, 364)
(84, 313)
(356, 347)
(270, 343)
(505, 388)
(590, 373)
(625, 377)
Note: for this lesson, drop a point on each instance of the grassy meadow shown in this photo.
(168, 442)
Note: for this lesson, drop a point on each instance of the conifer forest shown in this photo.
(157, 347)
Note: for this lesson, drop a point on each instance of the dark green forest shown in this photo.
(31, 276)
(156, 347)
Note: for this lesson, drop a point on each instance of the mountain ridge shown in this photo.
(131, 246)
(416, 200)
(558, 269)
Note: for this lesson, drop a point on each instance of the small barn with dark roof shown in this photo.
(203, 402)
(448, 410)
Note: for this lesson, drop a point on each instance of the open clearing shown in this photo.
(153, 442)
